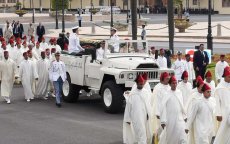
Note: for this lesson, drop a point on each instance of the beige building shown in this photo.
(222, 6)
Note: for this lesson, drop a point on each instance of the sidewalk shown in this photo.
(196, 33)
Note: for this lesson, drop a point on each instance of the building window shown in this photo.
(2, 1)
(225, 3)
(11, 1)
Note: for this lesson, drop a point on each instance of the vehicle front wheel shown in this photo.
(112, 97)
(70, 92)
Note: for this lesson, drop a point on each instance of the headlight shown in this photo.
(122, 76)
(130, 76)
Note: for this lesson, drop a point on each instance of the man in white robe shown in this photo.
(24, 47)
(37, 51)
(7, 70)
(191, 72)
(161, 60)
(2, 49)
(185, 87)
(200, 119)
(43, 73)
(34, 64)
(179, 66)
(11, 48)
(222, 95)
(219, 69)
(173, 116)
(27, 74)
(56, 46)
(43, 44)
(210, 82)
(139, 113)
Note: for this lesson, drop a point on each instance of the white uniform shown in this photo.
(58, 48)
(27, 74)
(219, 69)
(191, 72)
(186, 89)
(101, 53)
(201, 122)
(74, 44)
(162, 61)
(43, 73)
(114, 41)
(139, 114)
(43, 46)
(57, 69)
(179, 67)
(7, 71)
(173, 116)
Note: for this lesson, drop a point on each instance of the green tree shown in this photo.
(59, 4)
(179, 5)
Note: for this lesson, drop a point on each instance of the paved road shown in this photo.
(40, 122)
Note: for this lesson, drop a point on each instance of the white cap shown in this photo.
(76, 27)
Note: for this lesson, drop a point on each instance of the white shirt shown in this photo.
(162, 61)
(114, 41)
(179, 67)
(101, 53)
(191, 72)
(74, 43)
(219, 69)
(57, 69)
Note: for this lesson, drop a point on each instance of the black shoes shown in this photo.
(58, 105)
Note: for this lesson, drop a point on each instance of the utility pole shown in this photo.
(33, 20)
(139, 3)
(56, 14)
(91, 12)
(171, 24)
(111, 3)
(134, 19)
(63, 17)
(209, 36)
(127, 11)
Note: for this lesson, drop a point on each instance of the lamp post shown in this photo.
(171, 24)
(33, 20)
(56, 14)
(63, 17)
(91, 12)
(209, 36)
(111, 3)
(127, 11)
(139, 9)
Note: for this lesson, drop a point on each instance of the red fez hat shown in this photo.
(200, 82)
(53, 50)
(18, 39)
(12, 37)
(198, 78)
(38, 43)
(222, 55)
(208, 74)
(29, 51)
(145, 76)
(161, 49)
(6, 52)
(187, 55)
(43, 38)
(18, 43)
(3, 44)
(54, 39)
(140, 79)
(172, 79)
(11, 41)
(206, 87)
(24, 43)
(24, 37)
(2, 39)
(226, 71)
(164, 75)
(51, 40)
(184, 75)
(24, 53)
(152, 48)
(43, 53)
(65, 46)
(47, 49)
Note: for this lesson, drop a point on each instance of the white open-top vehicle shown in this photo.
(111, 76)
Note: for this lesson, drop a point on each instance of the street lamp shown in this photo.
(209, 36)
(33, 12)
(91, 12)
(171, 24)
(127, 11)
(111, 3)
(63, 17)
(56, 14)
(139, 9)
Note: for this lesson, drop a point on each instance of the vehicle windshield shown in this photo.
(126, 47)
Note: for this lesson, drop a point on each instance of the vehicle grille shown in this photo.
(151, 75)
(148, 65)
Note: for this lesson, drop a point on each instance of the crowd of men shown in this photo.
(178, 111)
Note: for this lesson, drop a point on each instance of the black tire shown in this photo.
(117, 99)
(73, 93)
